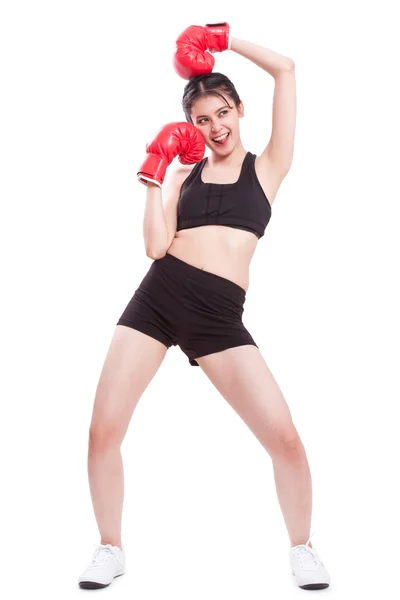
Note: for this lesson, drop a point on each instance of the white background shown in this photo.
(84, 85)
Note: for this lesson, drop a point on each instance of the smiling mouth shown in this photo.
(221, 140)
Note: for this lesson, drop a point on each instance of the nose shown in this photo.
(215, 128)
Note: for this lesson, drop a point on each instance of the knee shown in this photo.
(288, 445)
(104, 436)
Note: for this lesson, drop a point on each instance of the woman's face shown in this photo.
(213, 118)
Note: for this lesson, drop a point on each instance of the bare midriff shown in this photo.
(218, 249)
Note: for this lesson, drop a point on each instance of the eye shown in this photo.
(222, 112)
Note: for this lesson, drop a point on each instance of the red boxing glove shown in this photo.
(174, 139)
(191, 57)
(218, 37)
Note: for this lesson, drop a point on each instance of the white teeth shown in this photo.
(221, 137)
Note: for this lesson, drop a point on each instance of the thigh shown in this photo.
(154, 309)
(212, 316)
(243, 378)
(132, 360)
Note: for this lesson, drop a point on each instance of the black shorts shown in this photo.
(179, 304)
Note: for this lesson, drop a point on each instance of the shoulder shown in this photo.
(182, 172)
(175, 176)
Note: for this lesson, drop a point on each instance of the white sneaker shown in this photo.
(107, 562)
(308, 568)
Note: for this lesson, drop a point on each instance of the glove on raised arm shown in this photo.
(193, 47)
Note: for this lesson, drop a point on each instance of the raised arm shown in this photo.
(280, 147)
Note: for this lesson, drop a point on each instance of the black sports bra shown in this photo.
(242, 204)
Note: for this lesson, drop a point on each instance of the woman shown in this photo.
(202, 231)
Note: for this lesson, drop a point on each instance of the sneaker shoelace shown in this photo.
(102, 555)
(308, 556)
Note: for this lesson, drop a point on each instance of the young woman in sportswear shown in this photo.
(202, 222)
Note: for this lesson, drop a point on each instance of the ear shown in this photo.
(241, 110)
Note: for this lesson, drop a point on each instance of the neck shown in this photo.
(234, 159)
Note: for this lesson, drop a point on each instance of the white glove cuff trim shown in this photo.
(142, 179)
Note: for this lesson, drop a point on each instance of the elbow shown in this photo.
(159, 253)
(155, 250)
(155, 255)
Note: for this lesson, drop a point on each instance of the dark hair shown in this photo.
(207, 85)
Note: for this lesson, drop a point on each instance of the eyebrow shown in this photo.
(218, 109)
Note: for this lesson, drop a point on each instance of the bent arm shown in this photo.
(161, 212)
(268, 60)
(280, 148)
(155, 232)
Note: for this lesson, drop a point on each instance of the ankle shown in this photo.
(112, 543)
(301, 543)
